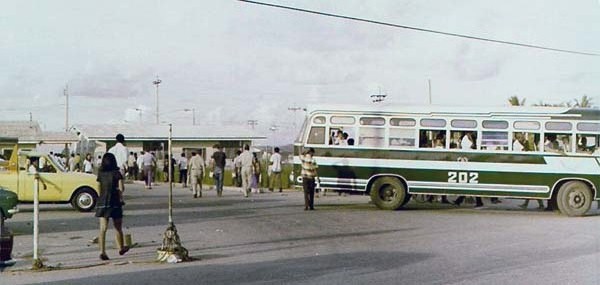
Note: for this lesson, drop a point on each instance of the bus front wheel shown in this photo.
(388, 193)
(574, 198)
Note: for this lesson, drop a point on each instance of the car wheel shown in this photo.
(84, 199)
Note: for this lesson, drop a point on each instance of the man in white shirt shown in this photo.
(275, 170)
(149, 162)
(246, 159)
(121, 154)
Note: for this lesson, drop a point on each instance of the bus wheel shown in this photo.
(574, 198)
(388, 193)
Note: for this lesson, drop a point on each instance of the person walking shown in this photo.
(131, 166)
(246, 159)
(196, 167)
(218, 159)
(140, 165)
(121, 154)
(237, 165)
(256, 171)
(275, 162)
(110, 203)
(309, 176)
(183, 166)
(148, 161)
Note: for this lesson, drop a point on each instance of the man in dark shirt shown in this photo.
(218, 158)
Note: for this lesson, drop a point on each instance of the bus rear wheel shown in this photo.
(388, 193)
(574, 198)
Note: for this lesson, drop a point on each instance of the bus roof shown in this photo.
(520, 111)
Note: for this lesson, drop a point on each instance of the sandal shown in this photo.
(123, 250)
(103, 256)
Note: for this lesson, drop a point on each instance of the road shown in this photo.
(269, 239)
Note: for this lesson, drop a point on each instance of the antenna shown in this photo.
(376, 98)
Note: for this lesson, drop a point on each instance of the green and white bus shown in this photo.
(391, 152)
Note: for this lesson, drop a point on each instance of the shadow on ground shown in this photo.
(283, 271)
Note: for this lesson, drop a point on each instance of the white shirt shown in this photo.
(140, 161)
(466, 143)
(121, 154)
(183, 162)
(246, 159)
(87, 166)
(147, 159)
(517, 146)
(276, 162)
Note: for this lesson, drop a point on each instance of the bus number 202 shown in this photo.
(463, 177)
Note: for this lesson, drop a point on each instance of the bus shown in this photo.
(393, 152)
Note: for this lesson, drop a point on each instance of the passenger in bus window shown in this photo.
(519, 143)
(344, 140)
(582, 147)
(438, 143)
(455, 139)
(565, 144)
(550, 143)
(467, 141)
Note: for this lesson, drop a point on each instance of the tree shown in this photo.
(586, 102)
(514, 101)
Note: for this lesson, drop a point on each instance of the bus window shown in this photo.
(588, 127)
(493, 124)
(319, 120)
(402, 137)
(527, 125)
(463, 124)
(432, 138)
(341, 136)
(559, 143)
(558, 126)
(316, 135)
(403, 122)
(494, 140)
(437, 123)
(373, 137)
(372, 121)
(463, 140)
(525, 141)
(586, 143)
(342, 120)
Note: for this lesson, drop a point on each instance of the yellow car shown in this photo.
(57, 185)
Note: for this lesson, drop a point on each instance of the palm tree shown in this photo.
(586, 102)
(514, 101)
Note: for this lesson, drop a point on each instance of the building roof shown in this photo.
(30, 132)
(161, 132)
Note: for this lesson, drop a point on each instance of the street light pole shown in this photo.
(156, 83)
(171, 250)
(193, 110)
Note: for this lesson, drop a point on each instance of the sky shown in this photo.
(232, 62)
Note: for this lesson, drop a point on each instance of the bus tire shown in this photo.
(574, 198)
(388, 193)
(84, 199)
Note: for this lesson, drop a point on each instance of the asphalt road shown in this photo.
(269, 239)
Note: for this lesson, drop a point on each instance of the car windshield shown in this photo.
(61, 168)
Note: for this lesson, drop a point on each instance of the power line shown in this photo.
(418, 29)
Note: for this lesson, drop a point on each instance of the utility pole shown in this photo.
(66, 93)
(156, 83)
(429, 80)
